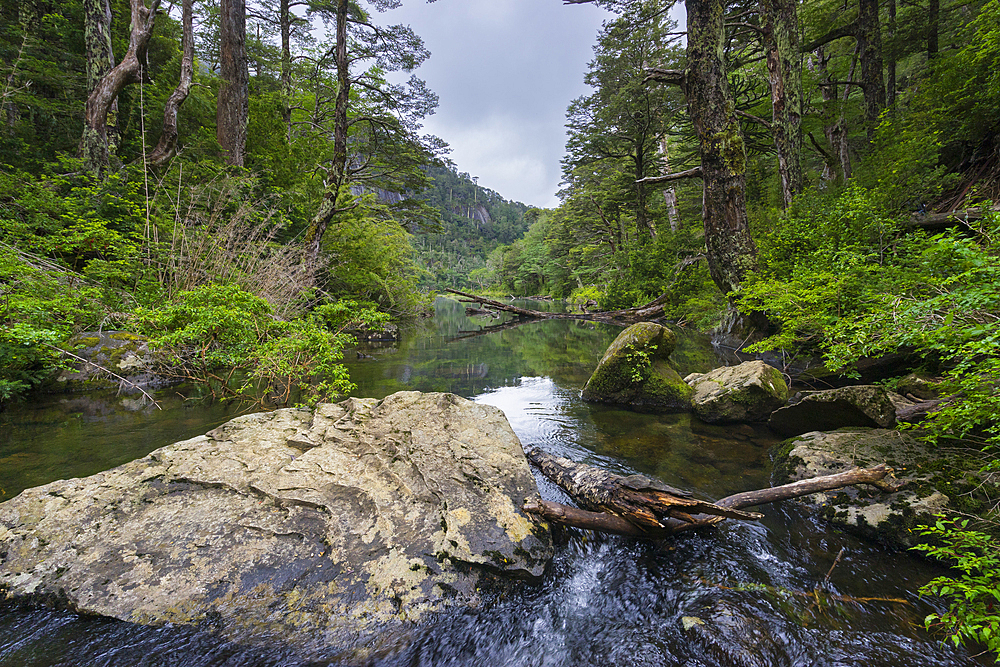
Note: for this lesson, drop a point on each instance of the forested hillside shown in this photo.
(474, 221)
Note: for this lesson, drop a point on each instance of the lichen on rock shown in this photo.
(938, 480)
(748, 392)
(325, 527)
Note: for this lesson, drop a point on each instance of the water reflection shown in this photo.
(740, 594)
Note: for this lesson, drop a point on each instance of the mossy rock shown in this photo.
(102, 353)
(860, 405)
(938, 480)
(636, 371)
(748, 392)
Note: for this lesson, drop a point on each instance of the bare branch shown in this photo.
(690, 173)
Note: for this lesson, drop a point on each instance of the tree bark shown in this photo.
(166, 148)
(330, 205)
(890, 64)
(669, 193)
(130, 70)
(100, 58)
(933, 26)
(784, 66)
(642, 507)
(732, 254)
(869, 36)
(233, 109)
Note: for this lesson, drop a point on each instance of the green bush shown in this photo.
(974, 596)
(228, 340)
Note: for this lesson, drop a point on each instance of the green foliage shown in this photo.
(215, 333)
(973, 596)
(371, 259)
(27, 358)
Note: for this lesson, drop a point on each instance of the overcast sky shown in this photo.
(505, 71)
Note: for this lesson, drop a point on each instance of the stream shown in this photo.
(765, 593)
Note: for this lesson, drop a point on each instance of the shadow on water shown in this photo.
(742, 594)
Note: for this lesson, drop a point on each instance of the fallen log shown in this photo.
(642, 507)
(649, 311)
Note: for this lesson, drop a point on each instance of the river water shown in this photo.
(763, 594)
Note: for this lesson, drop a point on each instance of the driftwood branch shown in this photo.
(644, 507)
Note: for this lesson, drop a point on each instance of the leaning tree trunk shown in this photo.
(329, 205)
(100, 58)
(642, 507)
(167, 146)
(732, 254)
(130, 70)
(784, 66)
(233, 107)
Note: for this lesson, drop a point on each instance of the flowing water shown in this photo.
(766, 593)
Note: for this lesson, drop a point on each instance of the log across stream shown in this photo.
(639, 506)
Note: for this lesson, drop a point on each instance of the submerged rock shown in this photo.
(861, 405)
(748, 392)
(635, 371)
(322, 528)
(938, 480)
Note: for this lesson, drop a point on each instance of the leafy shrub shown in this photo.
(973, 596)
(217, 333)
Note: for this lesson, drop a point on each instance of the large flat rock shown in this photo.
(939, 480)
(322, 528)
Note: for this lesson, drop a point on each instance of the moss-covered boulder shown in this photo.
(103, 355)
(938, 480)
(636, 371)
(827, 410)
(748, 392)
(335, 527)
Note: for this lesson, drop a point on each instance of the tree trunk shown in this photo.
(285, 26)
(933, 27)
(869, 36)
(670, 193)
(233, 108)
(330, 206)
(890, 65)
(167, 146)
(644, 507)
(732, 254)
(784, 66)
(100, 58)
(130, 70)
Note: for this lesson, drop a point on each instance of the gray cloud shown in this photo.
(505, 71)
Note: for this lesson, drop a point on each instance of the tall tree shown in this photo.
(132, 69)
(779, 19)
(167, 145)
(374, 124)
(625, 119)
(732, 253)
(233, 108)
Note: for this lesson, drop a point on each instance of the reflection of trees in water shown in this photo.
(467, 356)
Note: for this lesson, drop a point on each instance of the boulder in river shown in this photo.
(826, 410)
(326, 528)
(635, 371)
(748, 392)
(938, 480)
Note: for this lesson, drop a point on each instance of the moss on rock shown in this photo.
(635, 370)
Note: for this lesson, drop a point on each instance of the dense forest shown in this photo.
(247, 183)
